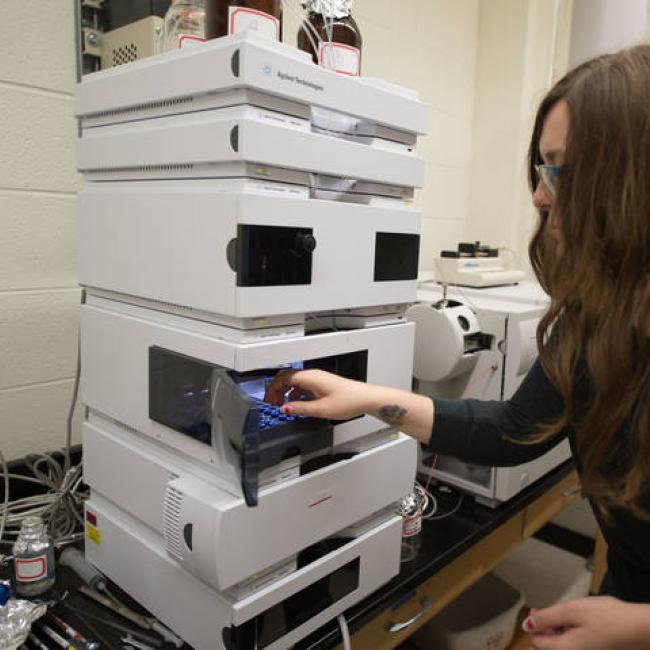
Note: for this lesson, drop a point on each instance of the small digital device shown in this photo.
(475, 265)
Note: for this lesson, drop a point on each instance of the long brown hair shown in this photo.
(598, 324)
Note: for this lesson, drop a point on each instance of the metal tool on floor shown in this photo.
(36, 642)
(128, 640)
(74, 559)
(145, 622)
(142, 636)
(55, 636)
(71, 633)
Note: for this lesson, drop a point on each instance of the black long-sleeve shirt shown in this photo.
(486, 433)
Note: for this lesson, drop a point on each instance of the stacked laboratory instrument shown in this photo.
(244, 211)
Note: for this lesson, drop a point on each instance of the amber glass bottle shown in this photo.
(224, 17)
(340, 38)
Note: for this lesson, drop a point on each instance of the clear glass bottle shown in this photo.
(224, 17)
(184, 24)
(33, 559)
(410, 508)
(340, 44)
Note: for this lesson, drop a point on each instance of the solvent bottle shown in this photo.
(184, 24)
(410, 508)
(34, 570)
(224, 17)
(340, 44)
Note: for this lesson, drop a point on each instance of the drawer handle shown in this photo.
(425, 603)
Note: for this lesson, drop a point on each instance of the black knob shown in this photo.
(187, 535)
(464, 323)
(304, 243)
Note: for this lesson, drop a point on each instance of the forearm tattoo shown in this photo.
(392, 414)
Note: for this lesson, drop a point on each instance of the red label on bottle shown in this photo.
(91, 517)
(31, 569)
(241, 18)
(412, 525)
(185, 40)
(340, 58)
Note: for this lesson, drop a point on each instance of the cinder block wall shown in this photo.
(38, 286)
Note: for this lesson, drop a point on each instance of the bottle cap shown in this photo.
(329, 8)
(409, 505)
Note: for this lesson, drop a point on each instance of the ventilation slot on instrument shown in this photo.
(125, 54)
(165, 103)
(145, 169)
(172, 530)
(170, 306)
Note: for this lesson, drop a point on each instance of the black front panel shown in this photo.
(180, 388)
(279, 620)
(396, 256)
(353, 365)
(269, 256)
(179, 393)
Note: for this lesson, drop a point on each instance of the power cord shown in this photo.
(61, 504)
(3, 522)
(345, 632)
(455, 509)
(429, 503)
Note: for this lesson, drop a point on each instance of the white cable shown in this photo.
(451, 512)
(75, 394)
(345, 632)
(427, 499)
(330, 63)
(5, 510)
(304, 19)
(455, 287)
(61, 504)
(305, 25)
(73, 404)
(28, 479)
(329, 25)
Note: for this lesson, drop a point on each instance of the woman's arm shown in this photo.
(475, 431)
(333, 397)
(488, 432)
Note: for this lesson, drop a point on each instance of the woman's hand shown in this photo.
(320, 394)
(598, 623)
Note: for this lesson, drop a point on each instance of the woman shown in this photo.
(589, 164)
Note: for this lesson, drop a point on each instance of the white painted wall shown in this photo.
(601, 26)
(38, 293)
(522, 48)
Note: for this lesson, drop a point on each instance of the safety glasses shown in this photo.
(548, 175)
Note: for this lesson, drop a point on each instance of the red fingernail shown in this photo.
(529, 624)
(286, 409)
